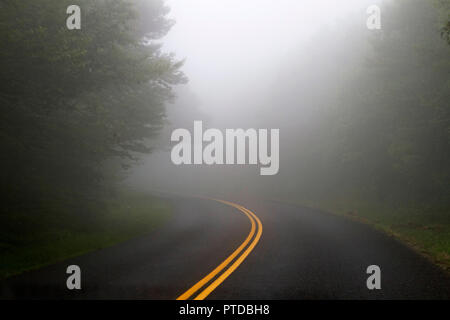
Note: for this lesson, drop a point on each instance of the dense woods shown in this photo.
(375, 118)
(364, 118)
(395, 134)
(77, 102)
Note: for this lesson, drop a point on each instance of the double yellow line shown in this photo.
(256, 227)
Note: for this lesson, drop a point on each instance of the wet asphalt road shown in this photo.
(302, 254)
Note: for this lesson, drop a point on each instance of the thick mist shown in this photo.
(310, 120)
(254, 64)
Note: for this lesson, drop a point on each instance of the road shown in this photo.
(259, 250)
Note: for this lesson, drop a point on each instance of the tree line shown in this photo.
(366, 114)
(78, 104)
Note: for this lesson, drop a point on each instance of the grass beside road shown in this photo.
(426, 229)
(29, 240)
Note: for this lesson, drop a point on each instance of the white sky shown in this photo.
(229, 44)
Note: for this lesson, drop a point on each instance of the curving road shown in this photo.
(211, 249)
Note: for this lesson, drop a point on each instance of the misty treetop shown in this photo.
(75, 100)
(403, 116)
(378, 122)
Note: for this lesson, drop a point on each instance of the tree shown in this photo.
(72, 100)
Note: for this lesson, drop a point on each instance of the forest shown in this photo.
(77, 107)
(363, 116)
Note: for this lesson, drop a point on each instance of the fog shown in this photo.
(307, 68)
(235, 53)
(340, 106)
(234, 48)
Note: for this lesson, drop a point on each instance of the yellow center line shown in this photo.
(252, 217)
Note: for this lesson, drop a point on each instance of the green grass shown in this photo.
(30, 240)
(425, 229)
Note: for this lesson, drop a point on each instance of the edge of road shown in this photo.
(402, 240)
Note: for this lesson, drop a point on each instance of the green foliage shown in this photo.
(380, 118)
(376, 144)
(402, 120)
(74, 100)
(33, 239)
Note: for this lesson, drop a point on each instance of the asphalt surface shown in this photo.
(302, 254)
